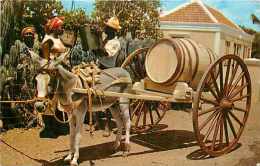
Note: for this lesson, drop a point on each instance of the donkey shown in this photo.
(76, 104)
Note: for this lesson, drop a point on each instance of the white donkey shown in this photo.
(76, 104)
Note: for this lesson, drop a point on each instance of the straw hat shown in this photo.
(113, 22)
(28, 30)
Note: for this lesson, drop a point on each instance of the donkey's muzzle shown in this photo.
(40, 106)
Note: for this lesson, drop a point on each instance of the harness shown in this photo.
(89, 74)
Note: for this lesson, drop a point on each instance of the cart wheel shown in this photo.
(220, 113)
(61, 116)
(134, 64)
(144, 114)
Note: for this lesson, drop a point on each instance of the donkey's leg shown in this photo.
(124, 107)
(80, 115)
(119, 123)
(72, 125)
(107, 131)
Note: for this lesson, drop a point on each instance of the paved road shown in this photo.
(173, 146)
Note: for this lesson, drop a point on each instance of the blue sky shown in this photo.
(238, 11)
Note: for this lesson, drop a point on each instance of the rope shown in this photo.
(22, 153)
(24, 101)
(21, 101)
(90, 111)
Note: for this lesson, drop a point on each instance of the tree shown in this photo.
(255, 19)
(74, 19)
(140, 17)
(256, 46)
(256, 42)
(36, 13)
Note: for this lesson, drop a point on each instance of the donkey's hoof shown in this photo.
(126, 149)
(116, 147)
(74, 163)
(106, 134)
(125, 154)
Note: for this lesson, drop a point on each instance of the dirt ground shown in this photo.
(175, 145)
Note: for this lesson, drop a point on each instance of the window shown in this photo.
(249, 52)
(245, 52)
(227, 47)
(235, 49)
(239, 50)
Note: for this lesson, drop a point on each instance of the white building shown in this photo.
(208, 26)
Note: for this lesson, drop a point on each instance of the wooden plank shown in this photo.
(128, 95)
(161, 88)
(138, 87)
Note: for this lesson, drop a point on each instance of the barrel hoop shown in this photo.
(183, 57)
(210, 55)
(179, 58)
(213, 54)
(197, 59)
(190, 60)
(179, 53)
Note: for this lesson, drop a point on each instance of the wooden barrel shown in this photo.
(177, 59)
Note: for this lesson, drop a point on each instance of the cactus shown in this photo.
(6, 60)
(7, 12)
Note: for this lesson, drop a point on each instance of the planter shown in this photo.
(68, 38)
(89, 39)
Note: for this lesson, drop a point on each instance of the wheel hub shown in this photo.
(226, 104)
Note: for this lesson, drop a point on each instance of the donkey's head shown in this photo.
(46, 82)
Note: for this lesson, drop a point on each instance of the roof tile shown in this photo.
(191, 13)
(195, 13)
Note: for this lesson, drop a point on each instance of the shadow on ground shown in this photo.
(201, 155)
(156, 141)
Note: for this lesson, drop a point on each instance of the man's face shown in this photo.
(59, 31)
(29, 40)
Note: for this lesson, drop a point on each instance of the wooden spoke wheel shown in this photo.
(134, 64)
(221, 105)
(144, 114)
(61, 116)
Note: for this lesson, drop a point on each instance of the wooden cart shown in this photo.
(220, 99)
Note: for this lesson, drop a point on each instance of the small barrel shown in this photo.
(177, 59)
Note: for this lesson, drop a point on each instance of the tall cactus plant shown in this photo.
(6, 14)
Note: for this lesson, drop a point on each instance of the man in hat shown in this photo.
(53, 47)
(28, 36)
(26, 69)
(112, 44)
(112, 47)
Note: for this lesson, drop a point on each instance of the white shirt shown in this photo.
(113, 46)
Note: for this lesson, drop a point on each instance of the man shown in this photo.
(112, 48)
(112, 44)
(28, 36)
(52, 47)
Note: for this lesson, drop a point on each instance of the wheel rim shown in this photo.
(134, 64)
(220, 114)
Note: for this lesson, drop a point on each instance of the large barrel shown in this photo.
(171, 60)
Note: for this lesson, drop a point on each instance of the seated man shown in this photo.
(112, 44)
(112, 47)
(52, 47)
